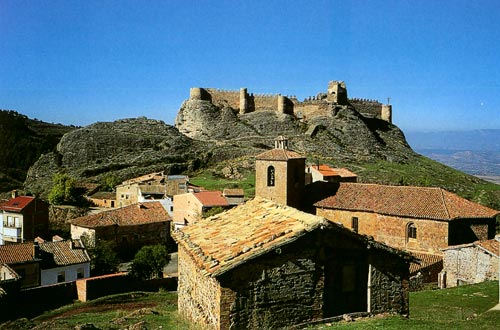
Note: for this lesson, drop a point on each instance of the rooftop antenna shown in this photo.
(388, 100)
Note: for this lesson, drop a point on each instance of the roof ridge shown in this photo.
(444, 203)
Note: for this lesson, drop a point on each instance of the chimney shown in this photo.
(13, 193)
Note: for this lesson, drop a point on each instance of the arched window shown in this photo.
(411, 231)
(270, 176)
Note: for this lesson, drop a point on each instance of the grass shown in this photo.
(466, 307)
(212, 181)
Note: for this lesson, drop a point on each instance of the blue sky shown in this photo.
(79, 62)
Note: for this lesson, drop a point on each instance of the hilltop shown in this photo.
(23, 141)
(210, 137)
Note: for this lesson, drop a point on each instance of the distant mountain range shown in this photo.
(475, 152)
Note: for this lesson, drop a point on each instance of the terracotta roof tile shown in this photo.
(66, 253)
(211, 198)
(328, 171)
(228, 239)
(491, 245)
(426, 261)
(415, 202)
(279, 154)
(135, 214)
(17, 204)
(16, 253)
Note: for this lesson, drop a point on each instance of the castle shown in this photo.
(310, 107)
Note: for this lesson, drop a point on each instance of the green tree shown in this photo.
(149, 261)
(63, 190)
(103, 258)
(110, 181)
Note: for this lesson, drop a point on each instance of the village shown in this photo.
(312, 243)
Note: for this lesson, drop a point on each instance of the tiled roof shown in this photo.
(327, 171)
(211, 198)
(66, 253)
(135, 214)
(16, 253)
(233, 192)
(414, 202)
(103, 195)
(491, 245)
(17, 204)
(279, 154)
(226, 240)
(426, 261)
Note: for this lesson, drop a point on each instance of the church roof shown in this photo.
(405, 201)
(279, 154)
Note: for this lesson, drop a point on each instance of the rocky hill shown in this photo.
(22, 141)
(213, 137)
(205, 135)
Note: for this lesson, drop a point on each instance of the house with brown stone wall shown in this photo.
(190, 207)
(265, 265)
(470, 263)
(127, 228)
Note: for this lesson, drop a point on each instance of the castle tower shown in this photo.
(280, 174)
(337, 92)
(386, 112)
(243, 101)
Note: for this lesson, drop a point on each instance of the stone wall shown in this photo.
(432, 236)
(199, 296)
(469, 264)
(303, 281)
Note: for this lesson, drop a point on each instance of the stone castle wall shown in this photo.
(310, 107)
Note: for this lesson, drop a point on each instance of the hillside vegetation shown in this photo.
(22, 142)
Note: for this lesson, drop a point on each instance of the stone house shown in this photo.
(189, 207)
(24, 259)
(234, 196)
(153, 186)
(103, 199)
(470, 263)
(46, 263)
(127, 228)
(22, 218)
(418, 219)
(326, 173)
(266, 265)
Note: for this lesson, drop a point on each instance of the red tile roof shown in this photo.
(224, 241)
(491, 245)
(211, 198)
(327, 171)
(17, 204)
(279, 154)
(16, 253)
(405, 201)
(66, 253)
(135, 214)
(426, 262)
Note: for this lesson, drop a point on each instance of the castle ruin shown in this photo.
(310, 107)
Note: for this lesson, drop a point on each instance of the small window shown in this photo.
(412, 231)
(171, 209)
(270, 176)
(80, 273)
(355, 224)
(61, 277)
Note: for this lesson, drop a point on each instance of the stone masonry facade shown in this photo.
(317, 276)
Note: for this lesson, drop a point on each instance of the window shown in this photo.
(412, 231)
(270, 176)
(80, 273)
(354, 224)
(61, 277)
